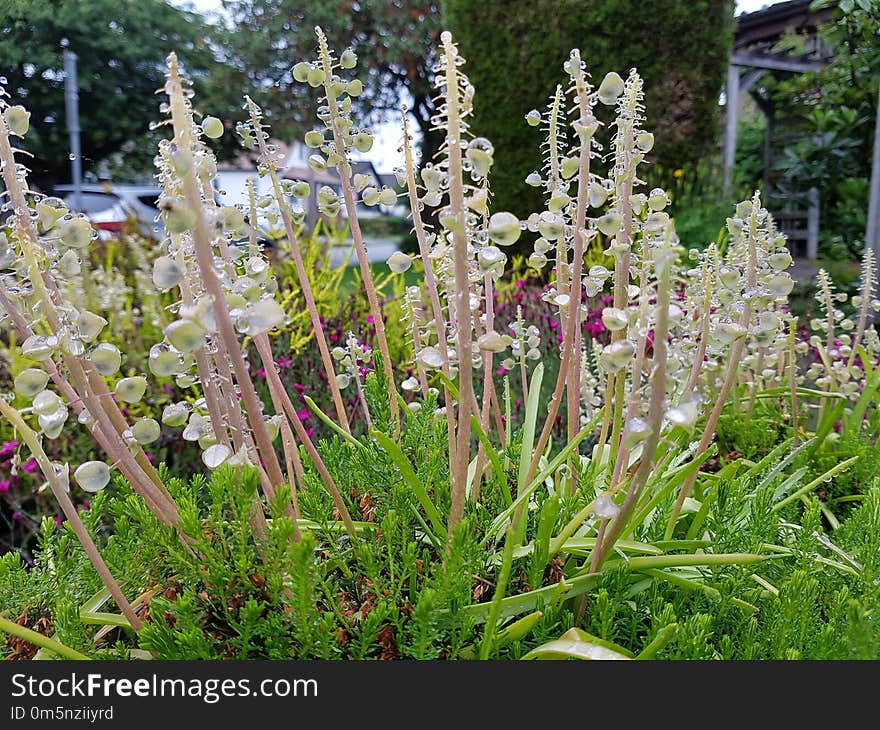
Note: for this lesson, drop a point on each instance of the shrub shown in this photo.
(680, 49)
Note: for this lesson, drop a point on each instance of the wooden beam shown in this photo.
(749, 78)
(774, 63)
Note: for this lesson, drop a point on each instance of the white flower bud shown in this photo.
(185, 335)
(89, 326)
(504, 228)
(430, 357)
(18, 120)
(53, 423)
(106, 358)
(92, 476)
(46, 402)
(348, 59)
(30, 381)
(617, 355)
(551, 226)
(609, 224)
(301, 71)
(131, 390)
(492, 342)
(77, 233)
(610, 88)
(146, 431)
(399, 262)
(215, 455)
(212, 127)
(614, 319)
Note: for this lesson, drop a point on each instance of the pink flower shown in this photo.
(501, 370)
(303, 414)
(4, 486)
(261, 373)
(370, 319)
(8, 449)
(29, 466)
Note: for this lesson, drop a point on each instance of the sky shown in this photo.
(385, 155)
(742, 6)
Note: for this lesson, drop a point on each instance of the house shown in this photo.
(232, 177)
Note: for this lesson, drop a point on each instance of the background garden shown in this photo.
(625, 501)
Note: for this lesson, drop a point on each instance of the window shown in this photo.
(92, 202)
(149, 200)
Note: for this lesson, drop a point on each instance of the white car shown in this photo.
(110, 206)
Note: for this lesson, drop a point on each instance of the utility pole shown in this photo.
(71, 104)
(731, 120)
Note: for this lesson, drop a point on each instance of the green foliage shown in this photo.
(513, 51)
(265, 38)
(223, 594)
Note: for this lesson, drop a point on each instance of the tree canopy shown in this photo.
(515, 50)
(121, 47)
(394, 41)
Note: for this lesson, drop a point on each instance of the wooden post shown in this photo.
(768, 151)
(731, 122)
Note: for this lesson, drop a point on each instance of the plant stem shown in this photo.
(204, 256)
(574, 333)
(430, 281)
(104, 410)
(462, 287)
(344, 170)
(655, 410)
(792, 380)
(703, 337)
(733, 365)
(30, 438)
(37, 639)
(302, 275)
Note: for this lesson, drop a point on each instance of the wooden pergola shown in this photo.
(756, 35)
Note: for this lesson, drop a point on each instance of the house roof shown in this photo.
(291, 166)
(769, 24)
(389, 179)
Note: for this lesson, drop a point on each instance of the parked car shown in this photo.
(109, 206)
